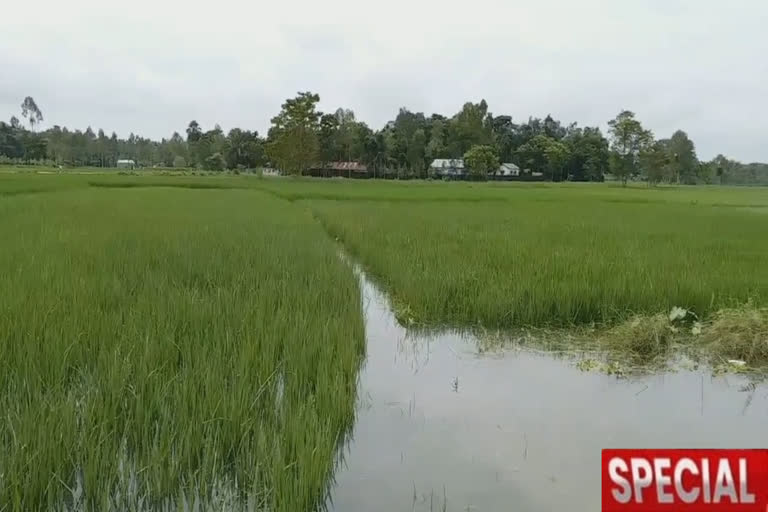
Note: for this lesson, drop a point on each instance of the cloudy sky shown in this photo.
(150, 66)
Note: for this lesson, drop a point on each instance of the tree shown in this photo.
(293, 138)
(347, 131)
(215, 162)
(194, 132)
(628, 139)
(15, 123)
(654, 162)
(682, 158)
(327, 138)
(557, 155)
(533, 154)
(407, 148)
(416, 152)
(31, 112)
(589, 154)
(471, 126)
(505, 135)
(707, 172)
(178, 161)
(436, 145)
(243, 149)
(482, 160)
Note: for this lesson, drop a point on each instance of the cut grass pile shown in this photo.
(160, 345)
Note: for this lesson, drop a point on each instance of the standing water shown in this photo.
(441, 426)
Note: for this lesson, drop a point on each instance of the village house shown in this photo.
(508, 170)
(338, 169)
(447, 168)
(126, 164)
(453, 168)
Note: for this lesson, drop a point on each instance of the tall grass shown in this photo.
(547, 257)
(158, 345)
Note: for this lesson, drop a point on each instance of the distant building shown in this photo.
(454, 168)
(126, 164)
(447, 168)
(339, 169)
(508, 170)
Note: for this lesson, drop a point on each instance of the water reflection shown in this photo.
(442, 427)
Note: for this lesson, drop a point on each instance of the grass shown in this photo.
(564, 256)
(532, 263)
(172, 340)
(162, 346)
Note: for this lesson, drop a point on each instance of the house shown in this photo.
(126, 164)
(447, 167)
(508, 170)
(339, 169)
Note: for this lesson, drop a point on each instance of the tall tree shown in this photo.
(589, 154)
(628, 139)
(31, 112)
(416, 153)
(654, 162)
(682, 158)
(347, 132)
(194, 132)
(482, 160)
(436, 145)
(293, 138)
(471, 126)
(557, 156)
(533, 154)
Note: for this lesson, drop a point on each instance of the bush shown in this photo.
(215, 162)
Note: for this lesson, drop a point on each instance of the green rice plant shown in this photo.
(161, 347)
(583, 258)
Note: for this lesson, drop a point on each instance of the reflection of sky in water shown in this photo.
(520, 432)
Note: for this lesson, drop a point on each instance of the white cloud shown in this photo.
(151, 66)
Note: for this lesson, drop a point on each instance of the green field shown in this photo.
(558, 256)
(163, 337)
(162, 343)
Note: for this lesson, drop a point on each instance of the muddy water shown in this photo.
(440, 425)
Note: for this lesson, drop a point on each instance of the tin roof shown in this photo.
(440, 163)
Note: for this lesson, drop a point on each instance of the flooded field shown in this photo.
(442, 427)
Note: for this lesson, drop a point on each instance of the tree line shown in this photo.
(302, 137)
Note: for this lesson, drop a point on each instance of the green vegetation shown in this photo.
(481, 160)
(560, 256)
(303, 140)
(166, 339)
(161, 346)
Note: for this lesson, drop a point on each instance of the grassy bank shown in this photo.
(160, 345)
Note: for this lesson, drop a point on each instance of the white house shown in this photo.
(126, 164)
(447, 167)
(508, 169)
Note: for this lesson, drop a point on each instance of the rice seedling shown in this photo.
(567, 257)
(535, 263)
(161, 348)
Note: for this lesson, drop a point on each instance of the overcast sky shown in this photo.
(150, 66)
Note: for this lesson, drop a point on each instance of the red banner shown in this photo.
(685, 480)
